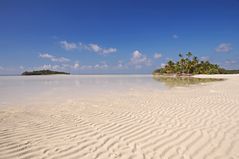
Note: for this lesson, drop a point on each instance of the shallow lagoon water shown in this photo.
(171, 82)
(19, 89)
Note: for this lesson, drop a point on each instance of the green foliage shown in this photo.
(224, 71)
(191, 65)
(43, 72)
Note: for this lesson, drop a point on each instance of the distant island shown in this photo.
(43, 72)
(191, 65)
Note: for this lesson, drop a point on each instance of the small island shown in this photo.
(43, 72)
(191, 65)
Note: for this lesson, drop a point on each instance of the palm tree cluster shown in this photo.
(189, 65)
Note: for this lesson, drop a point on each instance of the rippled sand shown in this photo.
(198, 122)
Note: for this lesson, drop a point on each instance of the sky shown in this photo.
(115, 36)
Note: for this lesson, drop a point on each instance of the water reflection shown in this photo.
(19, 89)
(183, 81)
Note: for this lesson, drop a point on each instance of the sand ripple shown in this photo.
(188, 123)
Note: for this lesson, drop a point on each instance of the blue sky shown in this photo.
(115, 36)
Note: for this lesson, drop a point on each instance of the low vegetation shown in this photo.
(43, 72)
(191, 65)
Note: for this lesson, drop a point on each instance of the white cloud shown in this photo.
(53, 58)
(136, 54)
(56, 67)
(92, 47)
(70, 67)
(46, 55)
(45, 67)
(76, 66)
(204, 58)
(224, 47)
(175, 36)
(229, 62)
(50, 67)
(121, 65)
(68, 45)
(157, 55)
(138, 59)
(100, 66)
(1, 68)
(86, 67)
(97, 49)
(162, 65)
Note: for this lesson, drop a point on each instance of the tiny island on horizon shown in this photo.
(44, 72)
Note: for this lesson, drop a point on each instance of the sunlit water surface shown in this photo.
(20, 89)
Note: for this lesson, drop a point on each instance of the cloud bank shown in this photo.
(92, 47)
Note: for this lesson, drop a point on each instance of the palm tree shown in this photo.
(182, 65)
(177, 68)
(189, 54)
(180, 55)
(171, 66)
(195, 59)
(188, 62)
(194, 64)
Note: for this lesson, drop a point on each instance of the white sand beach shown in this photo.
(127, 122)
